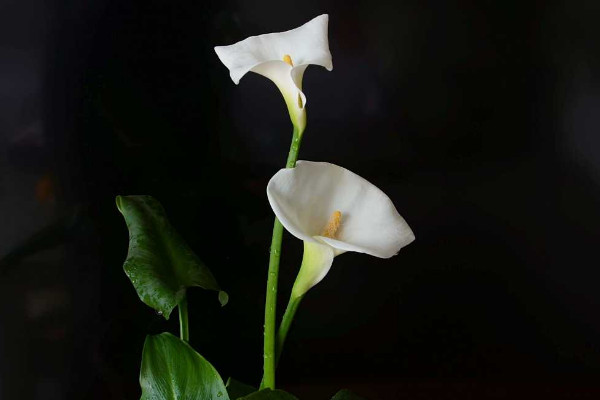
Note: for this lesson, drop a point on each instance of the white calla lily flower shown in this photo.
(282, 57)
(333, 210)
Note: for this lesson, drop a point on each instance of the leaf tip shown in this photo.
(119, 201)
(165, 313)
(223, 298)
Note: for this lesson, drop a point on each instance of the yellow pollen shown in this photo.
(333, 225)
(288, 60)
(299, 101)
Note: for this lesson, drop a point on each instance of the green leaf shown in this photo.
(237, 389)
(268, 394)
(345, 394)
(172, 370)
(223, 298)
(159, 262)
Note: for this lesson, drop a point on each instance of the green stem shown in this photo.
(286, 323)
(184, 330)
(294, 148)
(271, 298)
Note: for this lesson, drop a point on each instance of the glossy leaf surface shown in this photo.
(159, 263)
(172, 370)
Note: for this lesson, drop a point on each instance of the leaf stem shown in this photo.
(184, 330)
(272, 279)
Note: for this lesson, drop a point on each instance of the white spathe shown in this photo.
(305, 197)
(264, 54)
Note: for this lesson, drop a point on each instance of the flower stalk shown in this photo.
(283, 58)
(286, 323)
(270, 359)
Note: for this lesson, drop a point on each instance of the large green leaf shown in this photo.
(172, 370)
(268, 394)
(159, 262)
(237, 389)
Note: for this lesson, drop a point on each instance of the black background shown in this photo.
(479, 119)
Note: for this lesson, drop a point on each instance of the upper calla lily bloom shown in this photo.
(333, 210)
(283, 58)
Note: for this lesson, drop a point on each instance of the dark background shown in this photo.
(479, 119)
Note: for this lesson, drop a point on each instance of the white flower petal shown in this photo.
(288, 79)
(307, 44)
(303, 198)
(297, 74)
(264, 55)
(316, 263)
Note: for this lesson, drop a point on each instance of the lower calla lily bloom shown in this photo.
(333, 211)
(282, 57)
